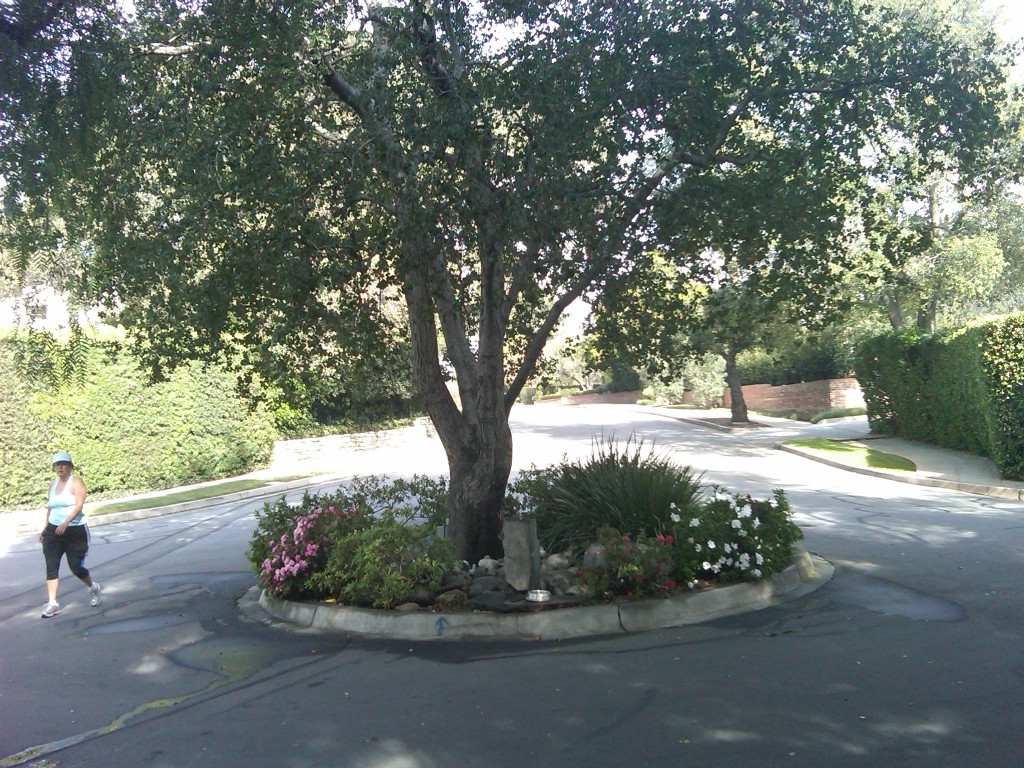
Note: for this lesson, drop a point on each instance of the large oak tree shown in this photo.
(268, 177)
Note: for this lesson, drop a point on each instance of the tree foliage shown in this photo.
(268, 177)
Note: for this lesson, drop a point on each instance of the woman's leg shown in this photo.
(77, 547)
(53, 551)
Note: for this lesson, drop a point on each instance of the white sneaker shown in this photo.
(52, 609)
(94, 594)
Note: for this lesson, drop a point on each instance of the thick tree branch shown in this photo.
(428, 51)
(346, 93)
(459, 68)
(535, 346)
(448, 314)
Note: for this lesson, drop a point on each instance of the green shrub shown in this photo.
(620, 487)
(385, 563)
(371, 542)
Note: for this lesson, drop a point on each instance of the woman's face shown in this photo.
(62, 468)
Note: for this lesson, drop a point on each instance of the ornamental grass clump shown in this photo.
(622, 487)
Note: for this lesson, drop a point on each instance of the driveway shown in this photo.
(910, 656)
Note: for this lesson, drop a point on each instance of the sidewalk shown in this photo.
(937, 467)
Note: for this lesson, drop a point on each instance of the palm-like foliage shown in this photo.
(620, 486)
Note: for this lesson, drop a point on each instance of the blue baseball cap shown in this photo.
(60, 456)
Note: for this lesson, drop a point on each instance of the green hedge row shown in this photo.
(961, 389)
(124, 433)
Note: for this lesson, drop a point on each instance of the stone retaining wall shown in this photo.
(322, 451)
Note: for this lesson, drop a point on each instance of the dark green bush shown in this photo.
(25, 440)
(960, 389)
(810, 359)
(385, 563)
(1003, 359)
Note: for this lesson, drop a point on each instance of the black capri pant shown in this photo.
(73, 543)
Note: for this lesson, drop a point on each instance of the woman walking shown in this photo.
(65, 534)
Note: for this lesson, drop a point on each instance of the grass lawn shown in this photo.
(853, 453)
(190, 494)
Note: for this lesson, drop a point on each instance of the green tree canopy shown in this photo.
(267, 176)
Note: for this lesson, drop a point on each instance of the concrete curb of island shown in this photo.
(808, 573)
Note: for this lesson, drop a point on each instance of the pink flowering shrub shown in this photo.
(373, 542)
(289, 560)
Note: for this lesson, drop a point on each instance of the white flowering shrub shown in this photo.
(736, 537)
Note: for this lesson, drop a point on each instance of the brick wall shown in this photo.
(807, 397)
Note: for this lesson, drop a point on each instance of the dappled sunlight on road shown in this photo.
(394, 753)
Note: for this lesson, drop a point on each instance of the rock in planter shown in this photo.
(555, 562)
(483, 584)
(522, 553)
(452, 601)
(559, 582)
(595, 558)
(487, 566)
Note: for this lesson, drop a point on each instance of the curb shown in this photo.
(808, 573)
(996, 491)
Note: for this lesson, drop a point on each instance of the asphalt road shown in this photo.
(910, 656)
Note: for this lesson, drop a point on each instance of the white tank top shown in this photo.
(62, 503)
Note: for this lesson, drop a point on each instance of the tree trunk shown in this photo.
(477, 439)
(476, 491)
(926, 315)
(732, 378)
(892, 310)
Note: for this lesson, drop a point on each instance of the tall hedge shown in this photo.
(961, 389)
(126, 434)
(24, 440)
(1003, 355)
